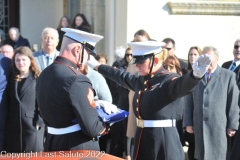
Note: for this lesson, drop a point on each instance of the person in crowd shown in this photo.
(170, 46)
(102, 91)
(99, 84)
(119, 55)
(103, 140)
(235, 154)
(118, 130)
(234, 65)
(116, 143)
(15, 39)
(193, 54)
(48, 53)
(142, 35)
(64, 23)
(172, 65)
(132, 123)
(62, 88)
(155, 91)
(7, 51)
(80, 22)
(101, 58)
(24, 131)
(5, 71)
(2, 37)
(212, 110)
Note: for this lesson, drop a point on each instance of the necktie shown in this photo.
(209, 76)
(233, 66)
(47, 61)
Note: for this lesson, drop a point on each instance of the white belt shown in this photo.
(59, 131)
(156, 123)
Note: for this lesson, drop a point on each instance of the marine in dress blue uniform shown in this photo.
(153, 103)
(66, 99)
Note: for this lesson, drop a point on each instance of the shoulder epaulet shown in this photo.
(75, 71)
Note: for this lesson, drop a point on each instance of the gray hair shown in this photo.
(238, 40)
(53, 30)
(211, 48)
(14, 28)
(119, 53)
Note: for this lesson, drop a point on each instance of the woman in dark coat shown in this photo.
(64, 23)
(25, 129)
(80, 22)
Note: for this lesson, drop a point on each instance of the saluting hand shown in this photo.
(201, 65)
(92, 62)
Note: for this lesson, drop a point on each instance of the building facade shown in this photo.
(189, 23)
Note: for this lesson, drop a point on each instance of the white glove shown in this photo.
(92, 62)
(107, 106)
(200, 66)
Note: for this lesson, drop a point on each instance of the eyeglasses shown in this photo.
(127, 55)
(236, 46)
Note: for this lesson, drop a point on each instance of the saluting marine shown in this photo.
(66, 99)
(155, 93)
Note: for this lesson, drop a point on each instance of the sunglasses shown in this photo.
(236, 46)
(127, 55)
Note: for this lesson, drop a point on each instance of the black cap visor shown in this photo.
(140, 59)
(90, 48)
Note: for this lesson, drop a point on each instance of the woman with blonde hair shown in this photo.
(24, 132)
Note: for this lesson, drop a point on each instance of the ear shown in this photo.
(77, 50)
(156, 60)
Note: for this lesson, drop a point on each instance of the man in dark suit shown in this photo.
(4, 75)
(234, 65)
(170, 46)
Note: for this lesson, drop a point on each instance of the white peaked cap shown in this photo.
(81, 36)
(146, 47)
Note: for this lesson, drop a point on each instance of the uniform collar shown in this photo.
(66, 62)
(149, 76)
